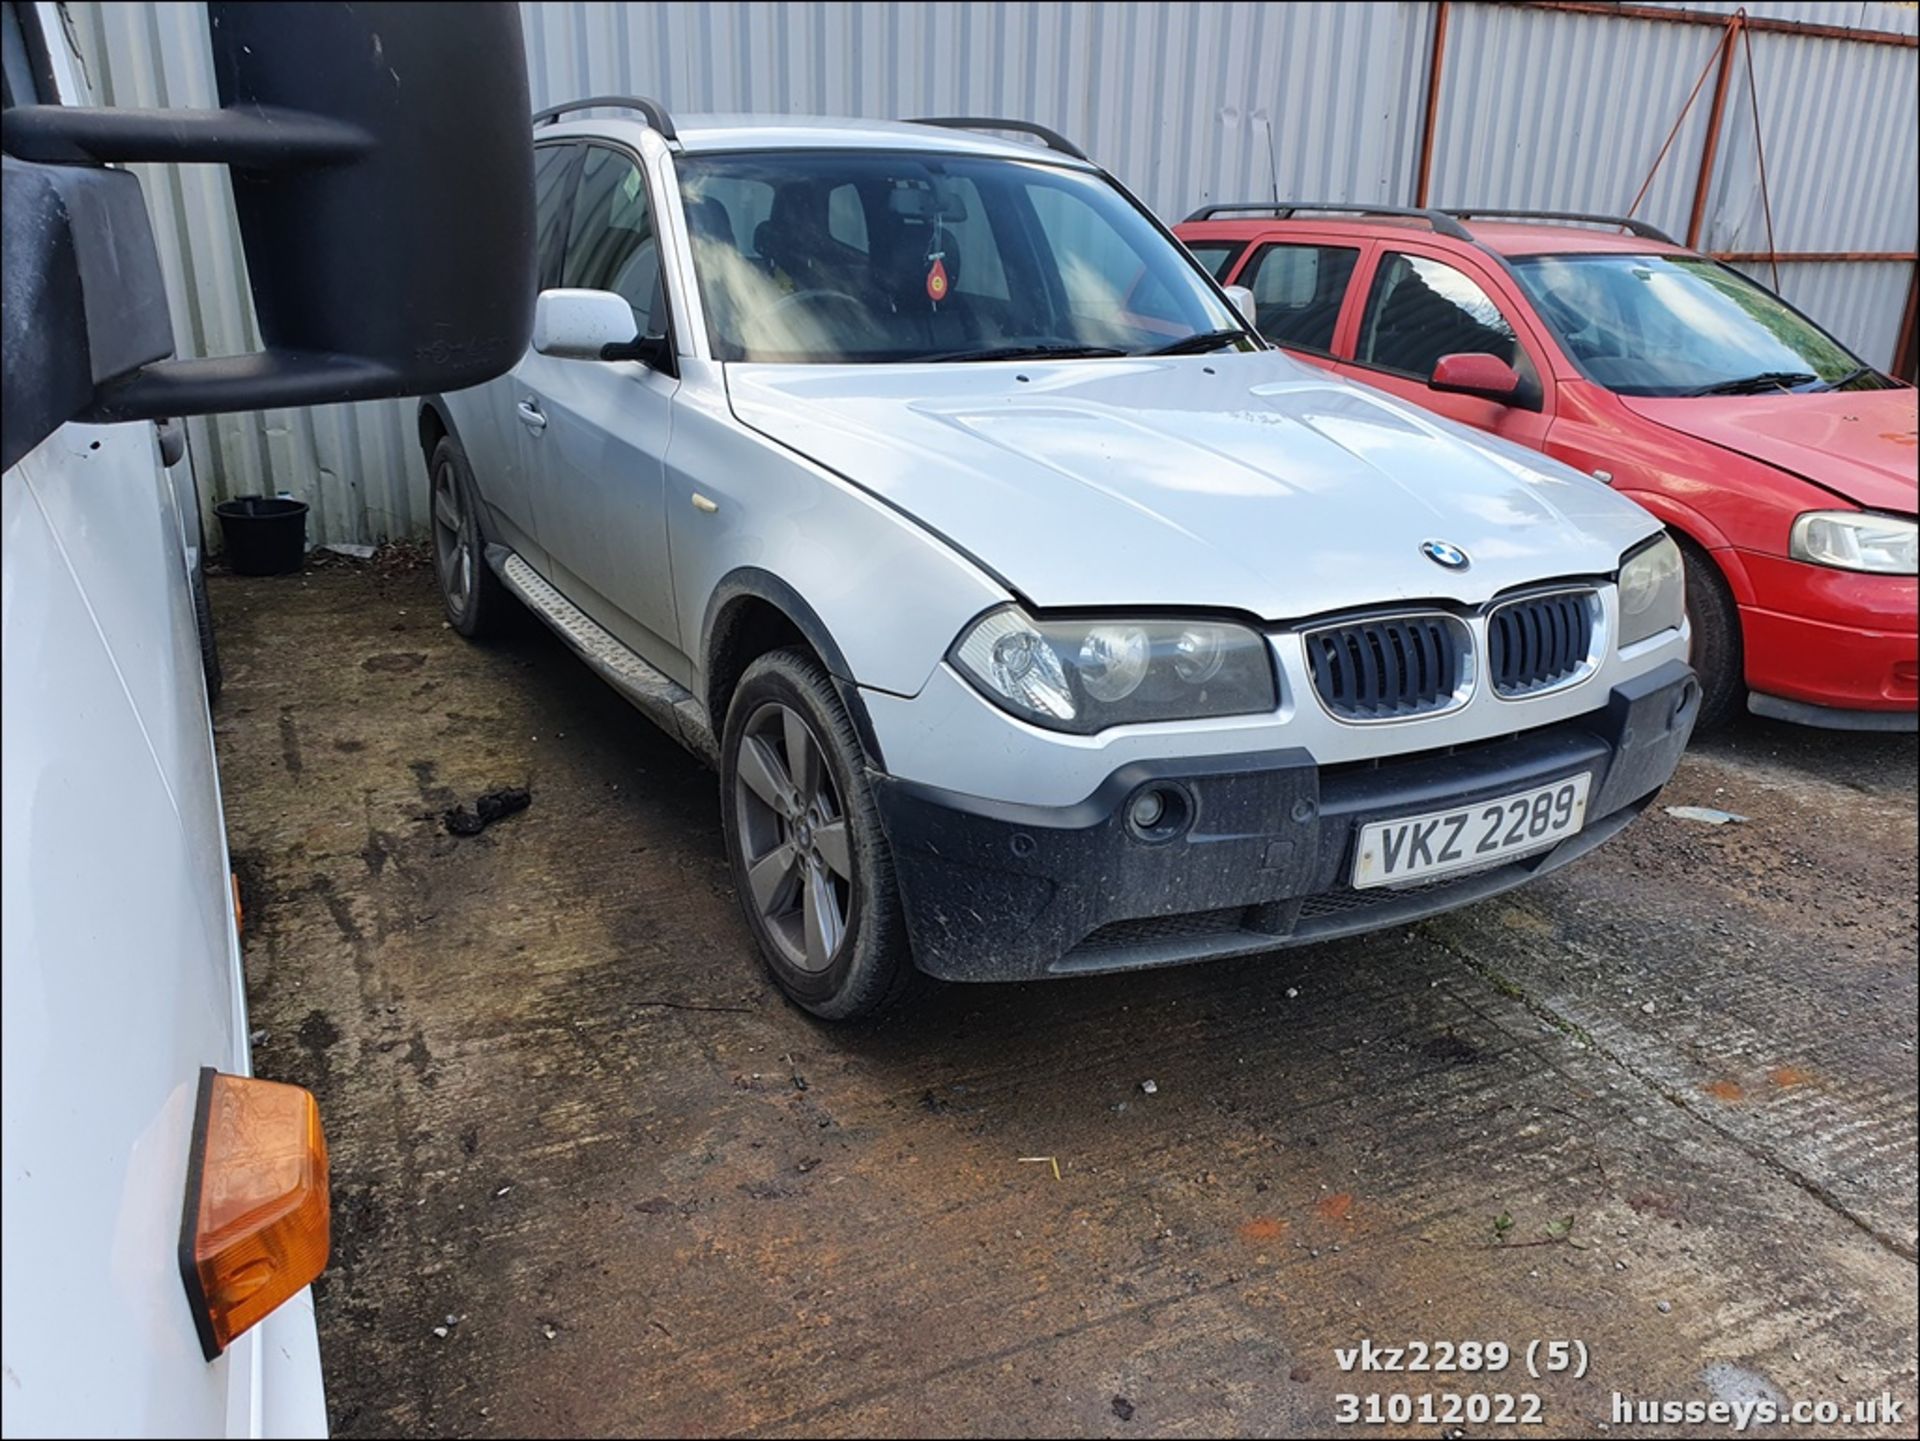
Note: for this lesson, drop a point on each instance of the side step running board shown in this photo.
(667, 704)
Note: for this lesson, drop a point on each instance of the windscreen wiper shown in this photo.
(1056, 351)
(1750, 384)
(1848, 379)
(1196, 344)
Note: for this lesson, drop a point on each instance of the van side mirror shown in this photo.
(382, 168)
(584, 325)
(1469, 373)
(1243, 302)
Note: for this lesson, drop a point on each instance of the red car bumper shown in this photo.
(1832, 639)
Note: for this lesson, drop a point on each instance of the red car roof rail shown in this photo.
(1624, 222)
(1445, 222)
(1442, 222)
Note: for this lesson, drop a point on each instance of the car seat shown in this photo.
(904, 259)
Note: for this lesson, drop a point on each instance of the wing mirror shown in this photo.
(589, 325)
(1468, 373)
(1242, 299)
(382, 168)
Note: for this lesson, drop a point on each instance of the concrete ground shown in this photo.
(592, 1175)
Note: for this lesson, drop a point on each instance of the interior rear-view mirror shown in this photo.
(584, 325)
(382, 172)
(1469, 373)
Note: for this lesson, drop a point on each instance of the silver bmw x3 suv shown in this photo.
(1039, 618)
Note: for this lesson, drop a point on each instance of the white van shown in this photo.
(164, 1211)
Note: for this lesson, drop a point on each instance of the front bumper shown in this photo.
(1831, 647)
(999, 891)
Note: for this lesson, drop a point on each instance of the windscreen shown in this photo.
(1681, 325)
(864, 256)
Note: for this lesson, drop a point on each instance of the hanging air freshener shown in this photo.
(937, 280)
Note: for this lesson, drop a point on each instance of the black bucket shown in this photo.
(264, 535)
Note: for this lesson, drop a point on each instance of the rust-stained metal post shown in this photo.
(1710, 149)
(1906, 364)
(1423, 184)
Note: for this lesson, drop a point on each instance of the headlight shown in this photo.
(1085, 675)
(1856, 540)
(1653, 591)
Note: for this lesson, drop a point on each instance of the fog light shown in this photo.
(1146, 810)
(1160, 811)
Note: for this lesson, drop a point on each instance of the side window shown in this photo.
(1297, 292)
(1217, 255)
(847, 218)
(981, 272)
(612, 243)
(553, 167)
(1422, 309)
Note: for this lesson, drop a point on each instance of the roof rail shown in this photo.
(1053, 138)
(655, 113)
(1440, 220)
(1625, 222)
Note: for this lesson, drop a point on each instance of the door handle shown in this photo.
(529, 412)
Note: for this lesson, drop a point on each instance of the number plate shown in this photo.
(1469, 838)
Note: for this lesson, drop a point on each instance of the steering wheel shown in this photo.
(811, 297)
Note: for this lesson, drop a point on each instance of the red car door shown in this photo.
(1303, 292)
(1423, 302)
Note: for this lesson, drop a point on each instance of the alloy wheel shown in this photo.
(452, 538)
(793, 837)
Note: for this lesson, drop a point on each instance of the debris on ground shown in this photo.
(1052, 1161)
(1709, 815)
(491, 807)
(1123, 1408)
(1150, 1088)
(384, 558)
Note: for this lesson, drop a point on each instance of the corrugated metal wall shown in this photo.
(1185, 103)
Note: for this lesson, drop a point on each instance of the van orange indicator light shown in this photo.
(239, 910)
(255, 1226)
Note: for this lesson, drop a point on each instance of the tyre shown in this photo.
(809, 856)
(203, 622)
(1718, 656)
(471, 592)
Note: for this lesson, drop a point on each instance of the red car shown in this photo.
(1783, 463)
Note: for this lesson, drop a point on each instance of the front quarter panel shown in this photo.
(1717, 497)
(891, 595)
